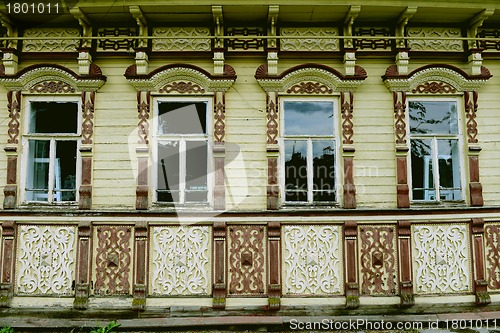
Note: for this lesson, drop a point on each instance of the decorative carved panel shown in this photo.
(346, 102)
(489, 45)
(399, 116)
(239, 44)
(52, 87)
(13, 106)
(113, 260)
(247, 260)
(143, 115)
(272, 119)
(492, 245)
(441, 258)
(309, 88)
(378, 263)
(182, 87)
(434, 87)
(180, 260)
(470, 114)
(51, 43)
(312, 262)
(372, 44)
(124, 44)
(309, 44)
(88, 100)
(435, 44)
(183, 42)
(45, 260)
(219, 120)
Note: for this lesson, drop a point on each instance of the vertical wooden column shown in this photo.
(346, 101)
(403, 190)
(479, 268)
(405, 265)
(142, 150)
(274, 257)
(10, 189)
(140, 266)
(219, 132)
(84, 255)
(475, 187)
(7, 263)
(272, 151)
(351, 264)
(85, 191)
(219, 264)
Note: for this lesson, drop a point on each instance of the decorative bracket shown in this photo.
(475, 23)
(272, 43)
(402, 22)
(141, 22)
(218, 43)
(84, 22)
(10, 58)
(11, 30)
(352, 14)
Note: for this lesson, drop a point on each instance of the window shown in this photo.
(309, 151)
(435, 145)
(182, 151)
(51, 150)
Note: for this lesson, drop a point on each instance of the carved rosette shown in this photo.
(52, 87)
(13, 99)
(143, 105)
(312, 262)
(377, 248)
(470, 99)
(441, 259)
(492, 254)
(247, 260)
(88, 100)
(181, 260)
(113, 260)
(45, 260)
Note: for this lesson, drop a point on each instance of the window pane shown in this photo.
(449, 170)
(437, 117)
(65, 171)
(308, 118)
(168, 171)
(196, 171)
(295, 170)
(422, 170)
(182, 118)
(53, 117)
(323, 170)
(37, 181)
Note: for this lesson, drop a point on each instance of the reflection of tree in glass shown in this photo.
(294, 166)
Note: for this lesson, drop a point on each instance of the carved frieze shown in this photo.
(492, 254)
(247, 260)
(309, 44)
(45, 260)
(441, 259)
(124, 44)
(52, 87)
(363, 44)
(180, 260)
(182, 88)
(434, 87)
(378, 263)
(240, 44)
(309, 88)
(113, 260)
(435, 44)
(312, 262)
(184, 41)
(51, 43)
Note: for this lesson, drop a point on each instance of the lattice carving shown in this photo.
(180, 260)
(116, 44)
(434, 88)
(492, 254)
(372, 44)
(88, 117)
(378, 262)
(236, 43)
(470, 114)
(309, 44)
(435, 44)
(492, 44)
(441, 259)
(399, 116)
(347, 125)
(309, 88)
(14, 115)
(51, 43)
(184, 41)
(52, 87)
(312, 260)
(219, 122)
(113, 258)
(143, 110)
(45, 260)
(182, 87)
(247, 260)
(272, 121)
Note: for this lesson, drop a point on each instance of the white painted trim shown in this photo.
(379, 300)
(322, 301)
(244, 302)
(444, 299)
(112, 302)
(41, 302)
(162, 302)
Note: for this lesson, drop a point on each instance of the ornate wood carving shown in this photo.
(274, 246)
(220, 283)
(236, 43)
(247, 260)
(140, 277)
(434, 87)
(405, 260)
(182, 88)
(272, 119)
(142, 189)
(88, 100)
(309, 88)
(82, 282)
(309, 44)
(7, 263)
(143, 104)
(378, 260)
(347, 110)
(399, 116)
(351, 255)
(220, 119)
(480, 283)
(51, 43)
(363, 44)
(184, 42)
(52, 87)
(448, 45)
(219, 131)
(475, 186)
(124, 44)
(13, 99)
(492, 254)
(113, 260)
(470, 99)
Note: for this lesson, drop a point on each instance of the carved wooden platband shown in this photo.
(351, 255)
(405, 273)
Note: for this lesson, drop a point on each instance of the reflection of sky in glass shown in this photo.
(437, 117)
(182, 118)
(308, 118)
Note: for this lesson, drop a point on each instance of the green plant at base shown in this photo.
(6, 329)
(105, 329)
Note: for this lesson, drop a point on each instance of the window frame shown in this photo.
(337, 154)
(459, 136)
(156, 138)
(52, 137)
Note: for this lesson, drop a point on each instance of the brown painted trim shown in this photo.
(219, 265)
(219, 129)
(94, 74)
(8, 262)
(219, 191)
(392, 72)
(14, 108)
(399, 99)
(85, 192)
(470, 101)
(140, 266)
(478, 262)
(142, 189)
(83, 270)
(346, 102)
(349, 187)
(475, 187)
(272, 112)
(403, 190)
(274, 264)
(272, 183)
(351, 264)
(405, 266)
(359, 72)
(10, 189)
(88, 102)
(131, 72)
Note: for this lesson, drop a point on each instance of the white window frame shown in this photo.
(309, 139)
(52, 137)
(182, 138)
(434, 138)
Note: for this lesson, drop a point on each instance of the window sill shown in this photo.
(181, 207)
(65, 205)
(458, 203)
